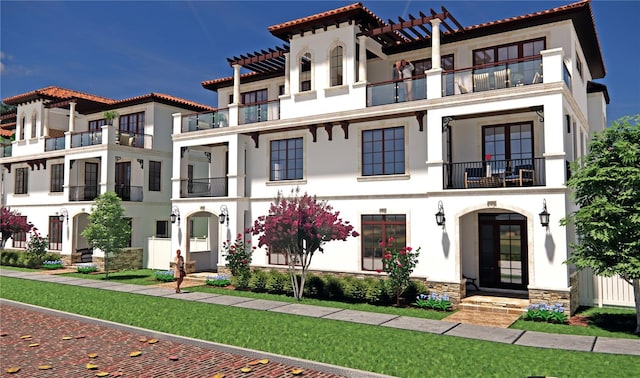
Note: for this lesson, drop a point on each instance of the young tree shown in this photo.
(12, 222)
(107, 229)
(298, 227)
(607, 190)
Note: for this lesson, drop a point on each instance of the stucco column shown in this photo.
(435, 43)
(72, 116)
(236, 83)
(362, 59)
(45, 126)
(287, 73)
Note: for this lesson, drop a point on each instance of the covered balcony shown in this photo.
(511, 173)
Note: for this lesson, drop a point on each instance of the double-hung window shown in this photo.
(154, 176)
(19, 239)
(335, 65)
(55, 233)
(383, 151)
(305, 72)
(57, 177)
(376, 231)
(22, 181)
(286, 159)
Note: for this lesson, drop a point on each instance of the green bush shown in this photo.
(164, 275)
(278, 282)
(241, 281)
(8, 258)
(333, 288)
(414, 289)
(375, 291)
(314, 286)
(359, 289)
(87, 268)
(258, 281)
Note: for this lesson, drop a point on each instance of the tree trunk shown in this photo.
(636, 295)
(106, 266)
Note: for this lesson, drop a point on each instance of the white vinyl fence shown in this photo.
(604, 291)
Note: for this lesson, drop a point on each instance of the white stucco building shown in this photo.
(64, 153)
(496, 113)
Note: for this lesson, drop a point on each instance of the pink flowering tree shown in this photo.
(12, 222)
(398, 264)
(298, 226)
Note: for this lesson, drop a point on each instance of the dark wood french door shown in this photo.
(503, 251)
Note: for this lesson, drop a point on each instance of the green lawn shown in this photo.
(380, 349)
(134, 277)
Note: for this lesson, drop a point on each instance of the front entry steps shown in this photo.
(491, 311)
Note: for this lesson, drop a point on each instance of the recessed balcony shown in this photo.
(512, 173)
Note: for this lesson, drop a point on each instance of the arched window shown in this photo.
(335, 65)
(23, 123)
(305, 72)
(34, 118)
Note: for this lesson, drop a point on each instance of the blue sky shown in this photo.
(121, 49)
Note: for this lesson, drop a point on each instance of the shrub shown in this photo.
(546, 313)
(241, 281)
(258, 281)
(164, 275)
(314, 286)
(333, 288)
(414, 289)
(277, 282)
(238, 255)
(37, 246)
(52, 264)
(8, 258)
(398, 264)
(221, 280)
(434, 301)
(27, 260)
(87, 268)
(375, 291)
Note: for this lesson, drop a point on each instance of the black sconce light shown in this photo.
(64, 215)
(440, 214)
(224, 215)
(175, 215)
(544, 215)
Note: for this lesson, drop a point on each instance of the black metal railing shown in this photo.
(83, 193)
(204, 187)
(495, 174)
(129, 193)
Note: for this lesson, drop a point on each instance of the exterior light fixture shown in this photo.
(440, 214)
(175, 215)
(64, 215)
(224, 214)
(544, 215)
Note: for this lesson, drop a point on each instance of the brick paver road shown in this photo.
(69, 357)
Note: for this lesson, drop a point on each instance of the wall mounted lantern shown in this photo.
(175, 215)
(544, 215)
(224, 214)
(440, 219)
(64, 215)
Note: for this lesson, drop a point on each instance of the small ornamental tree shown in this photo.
(37, 245)
(398, 264)
(607, 192)
(298, 227)
(107, 229)
(12, 222)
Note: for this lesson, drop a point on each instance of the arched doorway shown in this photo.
(202, 243)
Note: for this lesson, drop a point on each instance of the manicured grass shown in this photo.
(134, 277)
(380, 349)
(603, 322)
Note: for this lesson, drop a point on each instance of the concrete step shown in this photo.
(489, 308)
(483, 303)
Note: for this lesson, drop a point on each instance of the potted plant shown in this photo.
(109, 115)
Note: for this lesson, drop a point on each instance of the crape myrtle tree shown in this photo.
(606, 186)
(107, 229)
(12, 222)
(298, 226)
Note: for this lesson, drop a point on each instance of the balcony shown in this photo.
(54, 144)
(204, 187)
(260, 112)
(86, 138)
(509, 74)
(392, 92)
(131, 139)
(5, 150)
(495, 174)
(205, 121)
(83, 193)
(129, 193)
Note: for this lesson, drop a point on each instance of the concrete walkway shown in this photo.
(441, 327)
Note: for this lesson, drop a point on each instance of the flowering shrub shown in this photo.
(434, 301)
(546, 313)
(238, 255)
(164, 275)
(52, 264)
(37, 245)
(87, 268)
(220, 280)
(398, 264)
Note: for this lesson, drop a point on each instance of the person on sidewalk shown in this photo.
(178, 270)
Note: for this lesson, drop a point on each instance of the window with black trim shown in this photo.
(57, 177)
(96, 125)
(335, 64)
(132, 123)
(383, 151)
(55, 233)
(376, 231)
(19, 239)
(162, 229)
(305, 72)
(508, 145)
(512, 51)
(286, 159)
(154, 175)
(21, 181)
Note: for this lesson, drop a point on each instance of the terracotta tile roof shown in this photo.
(319, 16)
(225, 81)
(7, 133)
(54, 92)
(165, 99)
